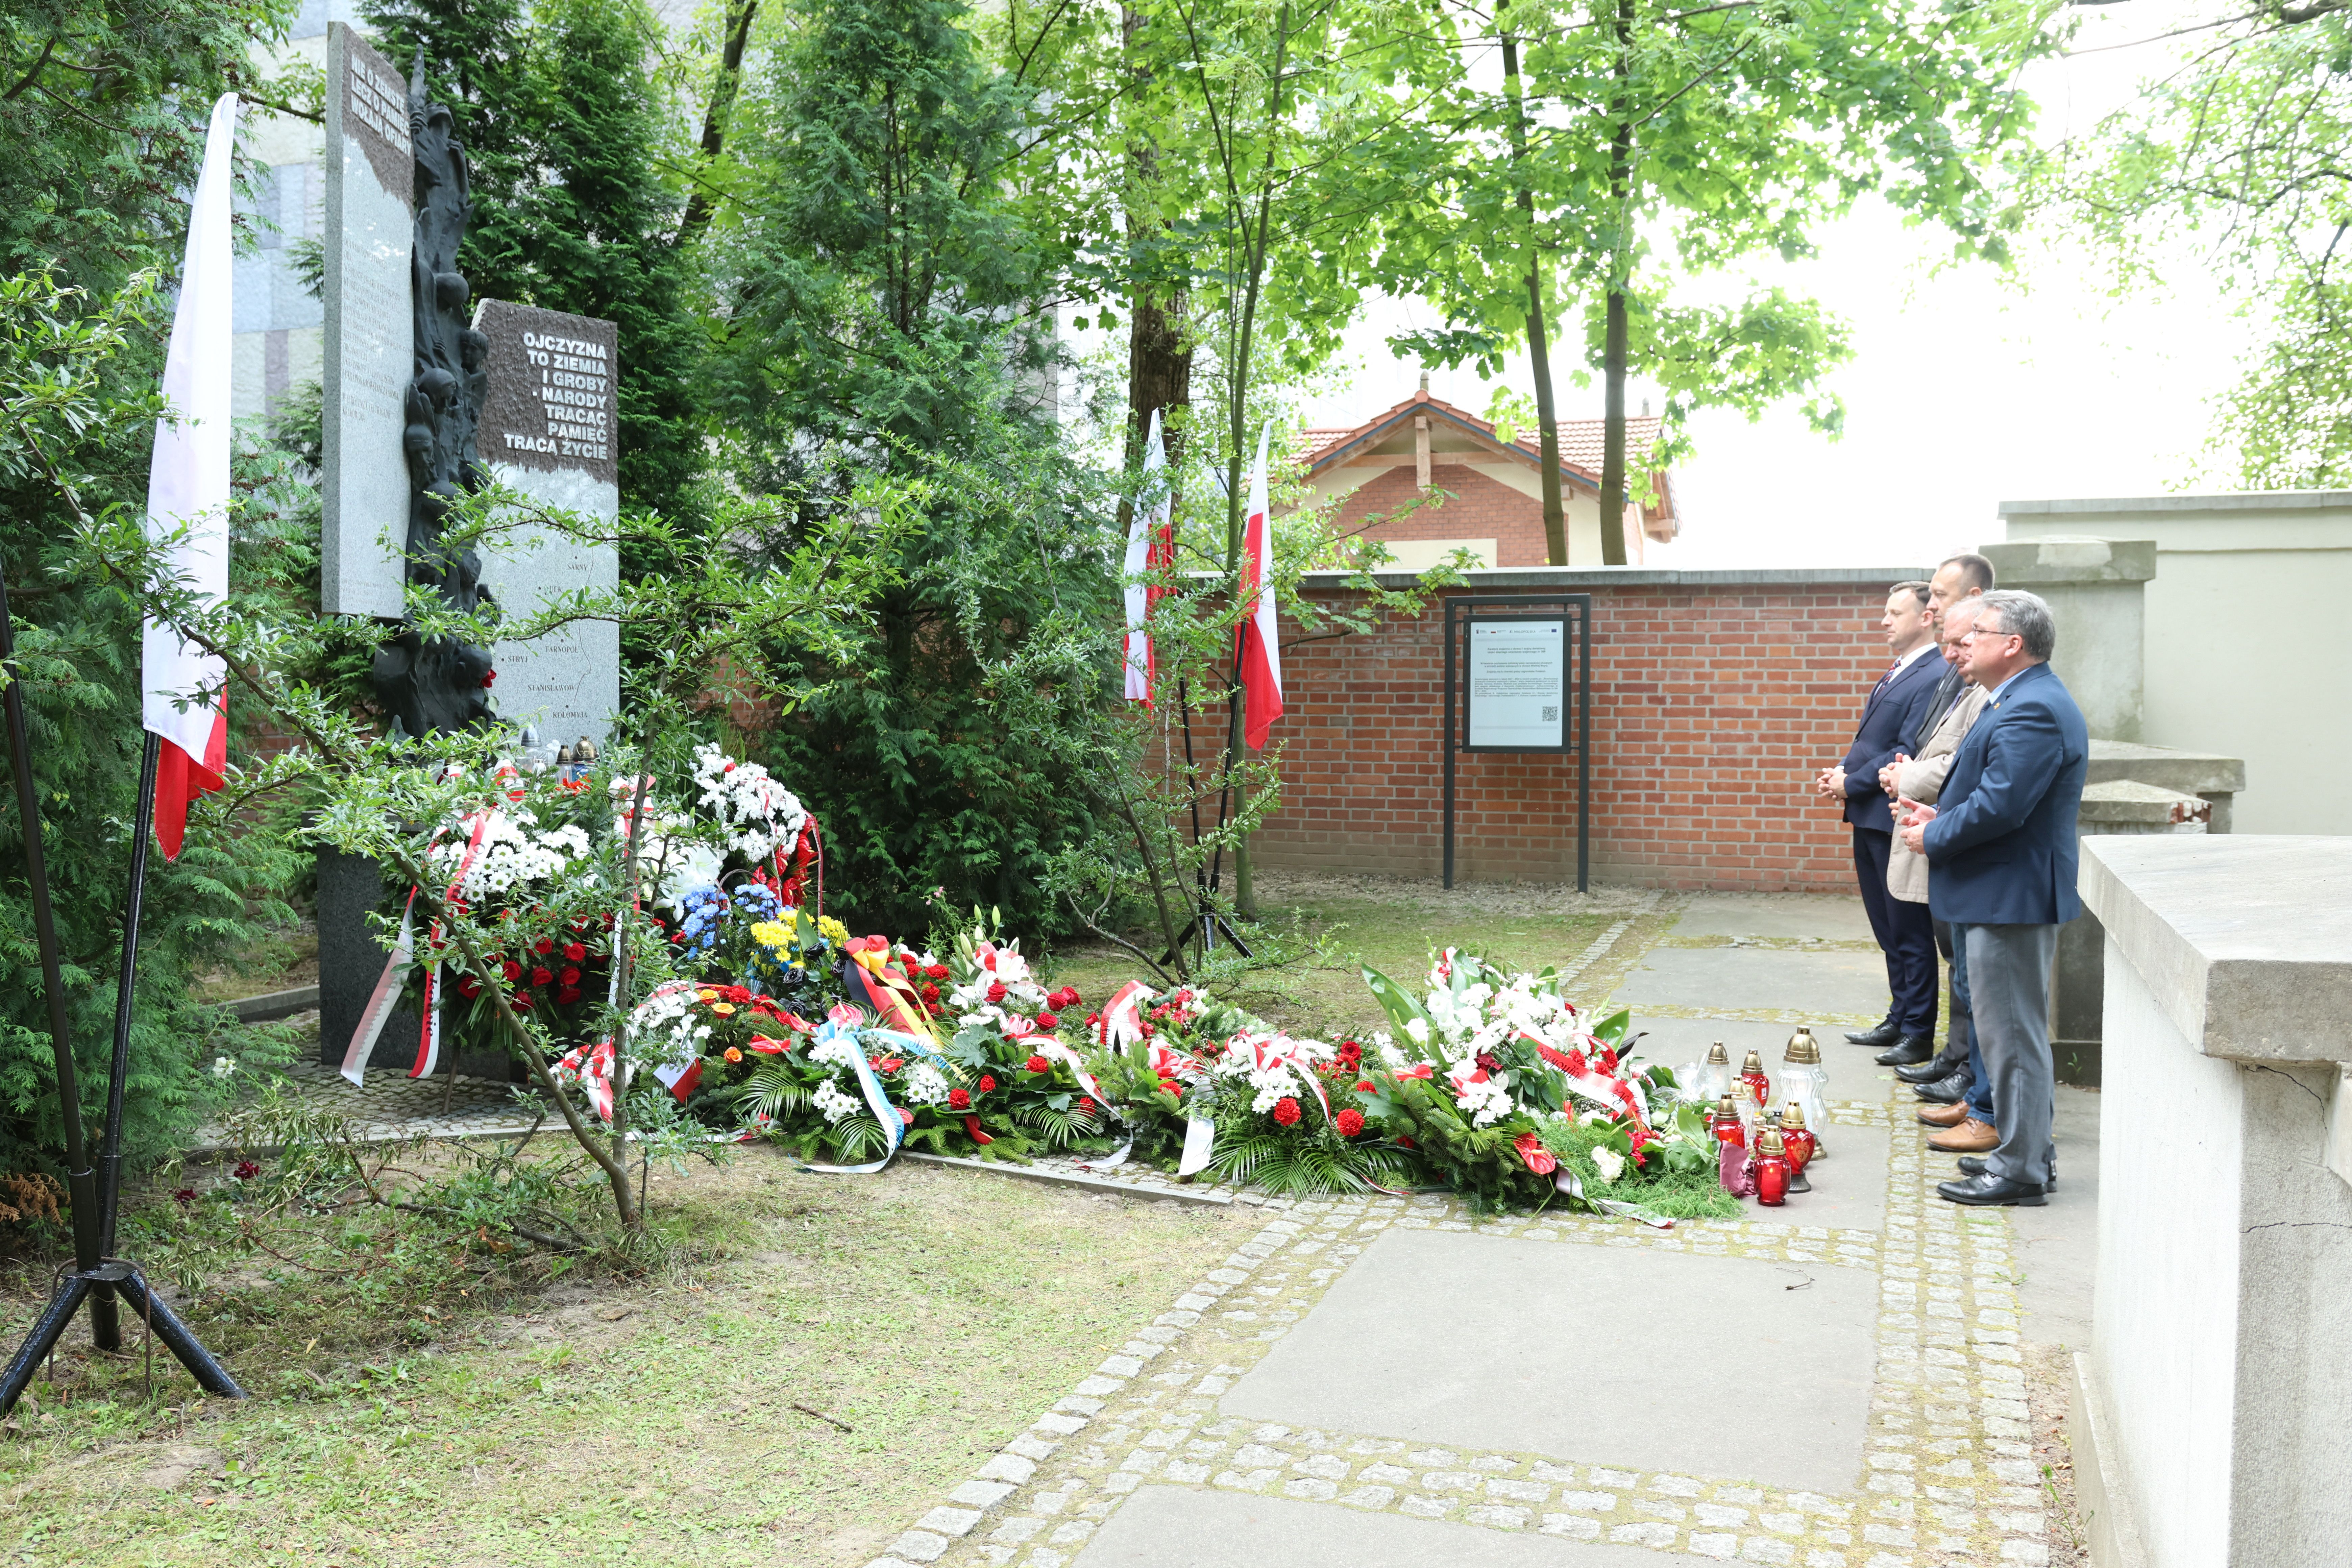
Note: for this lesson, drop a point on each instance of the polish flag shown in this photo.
(1259, 654)
(1150, 546)
(187, 487)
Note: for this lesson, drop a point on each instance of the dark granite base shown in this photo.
(350, 958)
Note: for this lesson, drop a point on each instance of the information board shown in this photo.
(1518, 699)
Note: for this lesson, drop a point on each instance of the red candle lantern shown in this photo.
(1751, 1074)
(1799, 1141)
(1728, 1128)
(1770, 1169)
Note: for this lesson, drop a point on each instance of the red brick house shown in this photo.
(1488, 493)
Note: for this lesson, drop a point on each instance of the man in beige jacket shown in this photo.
(1943, 1080)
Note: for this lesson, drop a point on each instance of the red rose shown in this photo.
(971, 1125)
(541, 974)
(467, 986)
(489, 678)
(1048, 1022)
(1067, 996)
(1349, 1122)
(958, 1100)
(571, 977)
(986, 1083)
(1404, 1141)
(512, 970)
(1038, 1063)
(542, 947)
(184, 1195)
(521, 999)
(567, 995)
(247, 1169)
(574, 952)
(996, 990)
(936, 972)
(1286, 1111)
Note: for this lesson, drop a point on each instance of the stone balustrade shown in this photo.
(2209, 1424)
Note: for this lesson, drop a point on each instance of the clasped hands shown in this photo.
(1914, 819)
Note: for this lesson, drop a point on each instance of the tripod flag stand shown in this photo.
(189, 481)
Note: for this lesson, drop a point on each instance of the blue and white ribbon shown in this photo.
(894, 1129)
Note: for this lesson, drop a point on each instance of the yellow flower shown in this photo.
(722, 1008)
(832, 930)
(769, 933)
(707, 996)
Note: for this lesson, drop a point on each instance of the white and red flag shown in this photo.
(1258, 654)
(1150, 547)
(187, 489)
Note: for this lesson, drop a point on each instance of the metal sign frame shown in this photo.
(1574, 612)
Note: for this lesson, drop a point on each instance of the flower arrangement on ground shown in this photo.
(1492, 1076)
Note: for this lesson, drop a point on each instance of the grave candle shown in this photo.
(1771, 1169)
(1751, 1076)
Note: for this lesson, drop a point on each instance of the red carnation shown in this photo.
(542, 947)
(1367, 1087)
(958, 1100)
(567, 995)
(1608, 1060)
(931, 994)
(541, 974)
(1038, 1063)
(1404, 1141)
(1172, 1085)
(574, 953)
(1286, 1111)
(986, 1083)
(937, 972)
(735, 994)
(1349, 1122)
(996, 990)
(1047, 1021)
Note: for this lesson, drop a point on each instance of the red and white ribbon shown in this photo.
(388, 985)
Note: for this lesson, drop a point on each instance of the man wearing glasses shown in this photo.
(2001, 848)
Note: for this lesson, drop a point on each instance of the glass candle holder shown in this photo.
(1770, 1169)
(1752, 1079)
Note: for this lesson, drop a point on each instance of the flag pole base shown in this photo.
(112, 1277)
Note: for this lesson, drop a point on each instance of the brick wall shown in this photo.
(1716, 696)
(1479, 508)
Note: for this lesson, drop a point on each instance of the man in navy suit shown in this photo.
(2001, 854)
(1906, 933)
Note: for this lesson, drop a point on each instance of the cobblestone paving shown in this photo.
(1947, 1477)
(394, 1106)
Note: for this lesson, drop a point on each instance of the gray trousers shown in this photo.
(2009, 997)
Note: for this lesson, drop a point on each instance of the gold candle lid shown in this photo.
(1723, 1107)
(1801, 1048)
(1771, 1143)
(1755, 1062)
(1793, 1117)
(1715, 1056)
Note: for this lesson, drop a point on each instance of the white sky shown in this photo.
(1966, 389)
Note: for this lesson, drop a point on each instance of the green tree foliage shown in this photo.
(559, 115)
(879, 316)
(1649, 145)
(2243, 149)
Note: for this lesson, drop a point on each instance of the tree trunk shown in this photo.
(1555, 514)
(1612, 352)
(699, 206)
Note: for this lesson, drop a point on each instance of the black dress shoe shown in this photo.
(1946, 1091)
(1879, 1035)
(1908, 1050)
(1988, 1191)
(1944, 1065)
(1971, 1166)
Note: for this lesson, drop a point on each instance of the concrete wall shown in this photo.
(1716, 696)
(2221, 1363)
(2241, 636)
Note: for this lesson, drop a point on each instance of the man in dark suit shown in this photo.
(2001, 854)
(1906, 933)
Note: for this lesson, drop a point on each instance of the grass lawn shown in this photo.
(1391, 923)
(936, 1312)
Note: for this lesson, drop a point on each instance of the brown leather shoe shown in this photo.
(1970, 1137)
(1950, 1115)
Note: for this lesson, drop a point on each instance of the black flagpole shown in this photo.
(92, 1218)
(103, 1326)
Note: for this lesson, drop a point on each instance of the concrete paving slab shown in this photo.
(1735, 979)
(1831, 918)
(1628, 1329)
(1674, 1041)
(1849, 1187)
(1170, 1527)
(2058, 1245)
